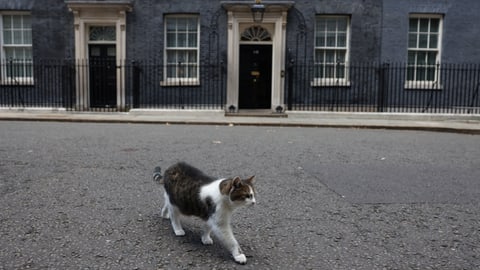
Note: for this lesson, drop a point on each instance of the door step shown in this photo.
(256, 113)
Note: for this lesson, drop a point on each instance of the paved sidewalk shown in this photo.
(407, 121)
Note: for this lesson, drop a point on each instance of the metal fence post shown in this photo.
(135, 84)
(382, 84)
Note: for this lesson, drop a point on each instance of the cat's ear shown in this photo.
(237, 182)
(251, 180)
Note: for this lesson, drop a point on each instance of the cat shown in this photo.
(190, 192)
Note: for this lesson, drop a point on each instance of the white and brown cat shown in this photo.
(190, 192)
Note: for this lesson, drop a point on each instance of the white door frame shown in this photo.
(98, 14)
(275, 21)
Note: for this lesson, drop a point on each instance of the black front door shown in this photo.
(103, 75)
(255, 77)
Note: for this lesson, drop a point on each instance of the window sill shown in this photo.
(419, 85)
(17, 82)
(330, 83)
(180, 82)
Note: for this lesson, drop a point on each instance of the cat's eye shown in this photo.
(249, 196)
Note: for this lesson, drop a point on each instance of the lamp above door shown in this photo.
(258, 10)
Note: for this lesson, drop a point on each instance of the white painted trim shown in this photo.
(274, 21)
(92, 14)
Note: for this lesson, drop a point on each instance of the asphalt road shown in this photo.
(80, 196)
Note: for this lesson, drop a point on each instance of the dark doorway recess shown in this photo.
(255, 77)
(103, 75)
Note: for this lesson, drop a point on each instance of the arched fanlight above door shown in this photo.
(256, 33)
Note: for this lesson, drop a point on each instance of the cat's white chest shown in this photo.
(212, 191)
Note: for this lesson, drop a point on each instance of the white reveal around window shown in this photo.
(331, 50)
(16, 49)
(424, 36)
(182, 36)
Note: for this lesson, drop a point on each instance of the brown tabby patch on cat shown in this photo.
(182, 183)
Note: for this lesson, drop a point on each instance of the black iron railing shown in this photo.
(103, 85)
(177, 86)
(149, 84)
(374, 87)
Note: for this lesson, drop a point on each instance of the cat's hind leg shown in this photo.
(175, 220)
(206, 238)
(166, 205)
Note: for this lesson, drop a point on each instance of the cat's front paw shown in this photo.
(179, 232)
(241, 259)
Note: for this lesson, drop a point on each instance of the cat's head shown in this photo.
(240, 191)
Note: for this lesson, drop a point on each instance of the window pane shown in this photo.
(412, 58)
(17, 37)
(28, 53)
(7, 22)
(192, 40)
(421, 73)
(423, 41)
(329, 71)
(182, 24)
(411, 73)
(181, 71)
(432, 58)
(101, 33)
(7, 37)
(192, 71)
(27, 24)
(320, 40)
(171, 71)
(321, 25)
(340, 71)
(171, 57)
(181, 40)
(28, 69)
(17, 21)
(192, 57)
(192, 24)
(319, 71)
(171, 25)
(331, 39)
(341, 57)
(431, 74)
(331, 24)
(342, 24)
(342, 40)
(10, 53)
(171, 40)
(421, 58)
(330, 57)
(424, 25)
(319, 54)
(181, 56)
(434, 25)
(413, 27)
(433, 41)
(27, 37)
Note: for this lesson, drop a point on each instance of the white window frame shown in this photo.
(179, 81)
(333, 80)
(418, 83)
(4, 62)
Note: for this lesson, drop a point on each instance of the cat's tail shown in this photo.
(157, 175)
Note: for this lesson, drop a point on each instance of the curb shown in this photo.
(465, 124)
